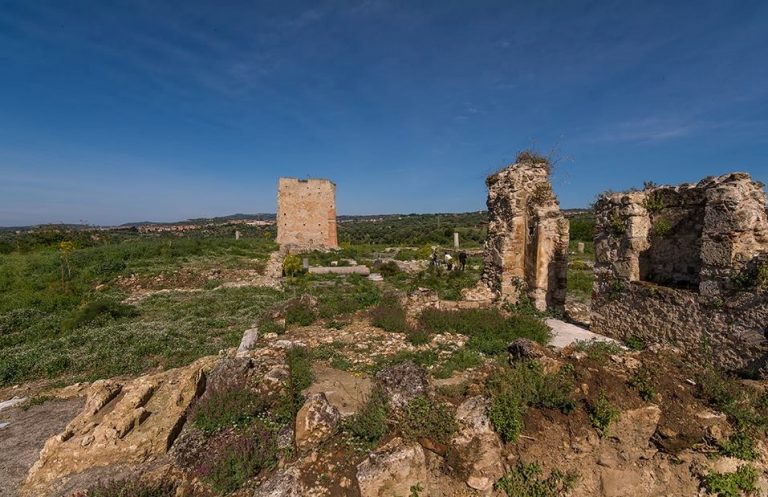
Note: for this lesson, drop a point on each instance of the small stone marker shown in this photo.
(580, 247)
(305, 262)
(237, 234)
(248, 341)
(456, 240)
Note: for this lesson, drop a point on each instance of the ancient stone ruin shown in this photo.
(686, 266)
(527, 245)
(306, 214)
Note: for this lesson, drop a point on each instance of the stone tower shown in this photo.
(306, 214)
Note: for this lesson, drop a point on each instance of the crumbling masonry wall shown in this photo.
(687, 266)
(527, 243)
(306, 214)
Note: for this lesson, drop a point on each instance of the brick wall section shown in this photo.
(306, 214)
(687, 265)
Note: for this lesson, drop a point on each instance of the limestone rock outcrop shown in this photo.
(316, 421)
(121, 423)
(392, 470)
(477, 444)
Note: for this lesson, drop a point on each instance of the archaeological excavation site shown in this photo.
(526, 351)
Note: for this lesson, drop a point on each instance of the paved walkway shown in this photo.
(564, 334)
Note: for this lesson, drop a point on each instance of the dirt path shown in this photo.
(25, 434)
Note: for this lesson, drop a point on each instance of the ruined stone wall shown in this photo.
(684, 265)
(306, 214)
(527, 243)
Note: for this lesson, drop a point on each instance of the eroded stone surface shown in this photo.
(306, 214)
(527, 244)
(316, 421)
(392, 470)
(403, 382)
(127, 423)
(687, 265)
(477, 444)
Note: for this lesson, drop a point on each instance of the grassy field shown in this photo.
(66, 315)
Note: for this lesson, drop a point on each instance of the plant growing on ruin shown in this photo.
(744, 479)
(618, 224)
(653, 203)
(529, 156)
(598, 350)
(661, 227)
(617, 288)
(389, 315)
(602, 414)
(226, 405)
(527, 480)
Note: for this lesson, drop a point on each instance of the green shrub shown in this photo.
(370, 423)
(580, 283)
(270, 326)
(225, 406)
(418, 336)
(653, 203)
(661, 227)
(388, 269)
(514, 389)
(642, 381)
(741, 444)
(98, 310)
(237, 458)
(602, 414)
(598, 350)
(460, 360)
(635, 342)
(744, 479)
(423, 418)
(743, 404)
(618, 225)
(35, 401)
(300, 378)
(526, 480)
(390, 316)
(489, 330)
(299, 313)
(130, 488)
(292, 266)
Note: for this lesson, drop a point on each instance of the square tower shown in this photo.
(306, 214)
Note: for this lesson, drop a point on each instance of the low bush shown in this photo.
(237, 458)
(744, 479)
(460, 360)
(418, 336)
(741, 445)
(598, 350)
(299, 313)
(130, 488)
(527, 480)
(490, 331)
(642, 381)
(744, 405)
(423, 418)
(300, 377)
(515, 388)
(602, 414)
(370, 423)
(388, 269)
(98, 310)
(225, 406)
(390, 316)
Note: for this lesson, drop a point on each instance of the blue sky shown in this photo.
(116, 111)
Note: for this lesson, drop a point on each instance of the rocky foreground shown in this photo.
(588, 420)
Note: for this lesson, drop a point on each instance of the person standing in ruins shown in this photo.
(448, 261)
(462, 260)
